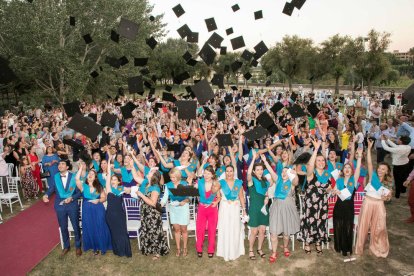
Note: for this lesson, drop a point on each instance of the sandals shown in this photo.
(96, 253)
(156, 257)
(200, 254)
(307, 251)
(210, 255)
(261, 254)
(178, 253)
(286, 252)
(318, 251)
(185, 252)
(273, 257)
(252, 257)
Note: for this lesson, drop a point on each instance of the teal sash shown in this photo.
(142, 187)
(279, 168)
(282, 188)
(102, 179)
(231, 194)
(172, 197)
(331, 167)
(375, 181)
(202, 192)
(323, 179)
(117, 191)
(146, 190)
(70, 186)
(351, 185)
(260, 186)
(126, 176)
(96, 165)
(87, 193)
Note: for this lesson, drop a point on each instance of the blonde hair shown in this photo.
(175, 172)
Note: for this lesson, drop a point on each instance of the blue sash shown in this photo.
(304, 169)
(87, 193)
(282, 188)
(220, 171)
(142, 187)
(127, 177)
(146, 190)
(102, 179)
(375, 181)
(351, 185)
(164, 169)
(331, 168)
(192, 167)
(280, 167)
(117, 191)
(323, 179)
(202, 192)
(95, 165)
(231, 194)
(70, 186)
(363, 172)
(258, 185)
(172, 197)
(117, 165)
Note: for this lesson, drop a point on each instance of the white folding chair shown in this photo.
(133, 218)
(12, 196)
(329, 222)
(10, 167)
(166, 226)
(358, 199)
(44, 180)
(193, 218)
(70, 226)
(1, 219)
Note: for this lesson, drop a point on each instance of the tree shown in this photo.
(224, 61)
(316, 67)
(373, 63)
(289, 57)
(393, 76)
(51, 58)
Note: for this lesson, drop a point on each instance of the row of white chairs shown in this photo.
(12, 196)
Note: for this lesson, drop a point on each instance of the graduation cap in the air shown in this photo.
(73, 143)
(203, 91)
(228, 98)
(187, 56)
(313, 109)
(276, 108)
(207, 54)
(237, 43)
(193, 37)
(93, 116)
(247, 76)
(108, 119)
(181, 77)
(288, 8)
(273, 129)
(211, 24)
(178, 10)
(229, 31)
(72, 108)
(260, 49)
(94, 74)
(85, 126)
(173, 147)
(221, 115)
(258, 15)
(264, 120)
(215, 40)
(224, 140)
(293, 97)
(268, 83)
(140, 61)
(187, 109)
(256, 133)
(235, 7)
(128, 29)
(123, 60)
(168, 97)
(223, 50)
(236, 65)
(184, 31)
(247, 55)
(245, 93)
(151, 42)
(114, 36)
(408, 94)
(192, 62)
(296, 111)
(135, 85)
(114, 62)
(218, 79)
(298, 3)
(269, 73)
(234, 88)
(254, 63)
(72, 21)
(88, 39)
(168, 88)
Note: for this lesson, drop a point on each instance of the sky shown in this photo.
(317, 19)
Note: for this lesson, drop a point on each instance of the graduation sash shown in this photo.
(70, 186)
(260, 186)
(102, 179)
(126, 175)
(280, 167)
(95, 165)
(231, 194)
(351, 185)
(323, 179)
(375, 181)
(331, 167)
(117, 191)
(142, 187)
(87, 192)
(170, 185)
(202, 192)
(282, 188)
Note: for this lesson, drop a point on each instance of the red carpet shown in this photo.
(28, 238)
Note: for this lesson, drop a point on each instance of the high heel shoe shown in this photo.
(307, 251)
(286, 252)
(185, 252)
(261, 254)
(318, 249)
(272, 259)
(252, 257)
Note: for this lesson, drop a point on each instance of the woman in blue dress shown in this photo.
(115, 214)
(95, 231)
(50, 163)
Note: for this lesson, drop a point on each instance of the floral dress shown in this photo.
(314, 218)
(29, 185)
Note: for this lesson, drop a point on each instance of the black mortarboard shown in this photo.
(268, 83)
(193, 37)
(168, 88)
(211, 24)
(168, 97)
(296, 111)
(294, 96)
(237, 108)
(88, 39)
(147, 84)
(126, 111)
(408, 94)
(151, 18)
(207, 54)
(184, 31)
(269, 73)
(128, 29)
(313, 109)
(154, 78)
(188, 89)
(236, 65)
(93, 116)
(73, 143)
(140, 61)
(234, 88)
(222, 105)
(202, 90)
(85, 126)
(135, 85)
(151, 42)
(94, 74)
(276, 108)
(260, 49)
(298, 3)
(247, 55)
(178, 10)
(144, 71)
(273, 129)
(264, 120)
(223, 50)
(184, 192)
(224, 140)
(229, 31)
(288, 8)
(228, 98)
(192, 62)
(235, 7)
(258, 15)
(215, 40)
(247, 76)
(218, 80)
(237, 43)
(108, 119)
(254, 63)
(123, 60)
(114, 36)
(72, 108)
(173, 147)
(131, 105)
(186, 109)
(221, 115)
(187, 55)
(245, 93)
(256, 133)
(72, 21)
(114, 62)
(181, 77)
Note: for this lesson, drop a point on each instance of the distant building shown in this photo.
(406, 56)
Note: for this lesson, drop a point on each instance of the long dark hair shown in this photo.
(155, 179)
(210, 169)
(95, 182)
(260, 164)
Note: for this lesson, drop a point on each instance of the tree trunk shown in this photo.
(290, 84)
(369, 87)
(313, 85)
(337, 86)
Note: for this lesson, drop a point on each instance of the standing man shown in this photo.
(66, 205)
(375, 109)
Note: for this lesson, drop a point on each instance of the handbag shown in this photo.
(45, 174)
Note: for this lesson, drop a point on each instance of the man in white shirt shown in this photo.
(400, 161)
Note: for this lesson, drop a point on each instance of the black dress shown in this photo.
(343, 221)
(116, 220)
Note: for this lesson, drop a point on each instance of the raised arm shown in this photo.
(108, 176)
(369, 159)
(250, 169)
(79, 183)
(311, 164)
(164, 163)
(358, 166)
(269, 168)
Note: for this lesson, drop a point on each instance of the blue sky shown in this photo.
(318, 19)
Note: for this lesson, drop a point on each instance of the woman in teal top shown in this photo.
(103, 172)
(258, 210)
(184, 164)
(95, 231)
(152, 237)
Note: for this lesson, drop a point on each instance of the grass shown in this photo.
(399, 261)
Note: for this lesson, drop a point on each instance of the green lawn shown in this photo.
(399, 261)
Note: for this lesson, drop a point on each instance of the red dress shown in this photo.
(36, 171)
